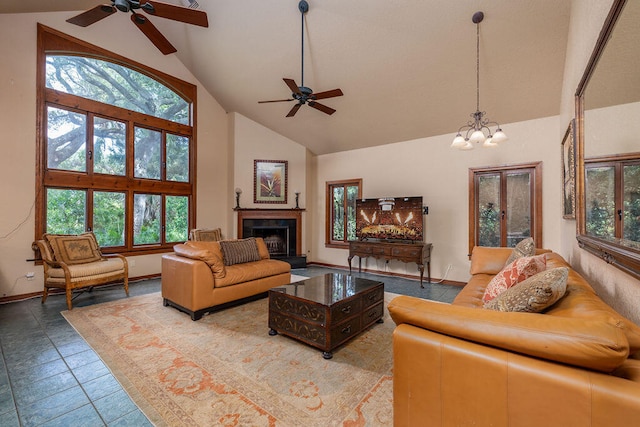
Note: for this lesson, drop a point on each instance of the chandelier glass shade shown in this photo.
(477, 130)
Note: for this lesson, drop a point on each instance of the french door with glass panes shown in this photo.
(505, 205)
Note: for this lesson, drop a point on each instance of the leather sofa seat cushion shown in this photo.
(248, 271)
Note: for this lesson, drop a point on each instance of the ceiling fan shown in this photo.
(155, 8)
(303, 94)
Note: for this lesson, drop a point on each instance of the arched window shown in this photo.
(115, 148)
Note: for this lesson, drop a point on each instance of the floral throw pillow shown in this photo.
(513, 273)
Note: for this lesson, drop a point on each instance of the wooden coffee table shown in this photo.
(325, 311)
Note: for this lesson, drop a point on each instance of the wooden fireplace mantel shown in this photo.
(258, 213)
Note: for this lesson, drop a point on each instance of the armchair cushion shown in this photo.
(205, 235)
(74, 249)
(93, 270)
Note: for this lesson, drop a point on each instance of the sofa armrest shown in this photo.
(439, 380)
(187, 282)
(593, 344)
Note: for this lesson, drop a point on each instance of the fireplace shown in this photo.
(281, 230)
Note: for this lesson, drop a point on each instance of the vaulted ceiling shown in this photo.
(407, 67)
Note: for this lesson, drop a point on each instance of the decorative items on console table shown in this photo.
(297, 199)
(391, 228)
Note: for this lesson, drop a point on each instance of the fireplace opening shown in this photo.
(278, 234)
(276, 239)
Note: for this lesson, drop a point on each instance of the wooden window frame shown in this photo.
(53, 41)
(617, 162)
(536, 198)
(329, 242)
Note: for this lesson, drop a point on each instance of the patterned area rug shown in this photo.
(226, 370)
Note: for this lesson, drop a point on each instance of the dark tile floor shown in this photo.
(49, 376)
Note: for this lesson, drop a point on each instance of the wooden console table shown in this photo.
(420, 253)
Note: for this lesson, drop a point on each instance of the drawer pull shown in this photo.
(372, 314)
(346, 330)
(346, 310)
(372, 297)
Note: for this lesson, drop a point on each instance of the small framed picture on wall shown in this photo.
(270, 181)
(569, 172)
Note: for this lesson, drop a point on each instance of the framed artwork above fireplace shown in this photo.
(270, 181)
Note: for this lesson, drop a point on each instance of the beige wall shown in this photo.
(252, 141)
(18, 123)
(428, 167)
(618, 289)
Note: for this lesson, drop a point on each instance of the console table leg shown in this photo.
(422, 275)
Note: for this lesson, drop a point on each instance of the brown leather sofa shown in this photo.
(575, 364)
(196, 279)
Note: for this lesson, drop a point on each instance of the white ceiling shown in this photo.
(406, 67)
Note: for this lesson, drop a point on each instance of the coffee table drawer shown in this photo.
(373, 297)
(305, 310)
(345, 309)
(345, 330)
(372, 314)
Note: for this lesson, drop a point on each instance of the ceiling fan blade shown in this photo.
(177, 13)
(327, 94)
(277, 100)
(92, 16)
(293, 86)
(321, 107)
(294, 110)
(153, 34)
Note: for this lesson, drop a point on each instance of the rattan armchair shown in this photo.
(74, 262)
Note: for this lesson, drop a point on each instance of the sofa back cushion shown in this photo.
(74, 248)
(262, 248)
(491, 260)
(208, 252)
(239, 251)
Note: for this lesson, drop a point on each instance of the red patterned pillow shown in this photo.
(519, 270)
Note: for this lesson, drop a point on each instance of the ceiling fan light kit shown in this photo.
(155, 8)
(303, 94)
(475, 130)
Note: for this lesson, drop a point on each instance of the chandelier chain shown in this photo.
(478, 67)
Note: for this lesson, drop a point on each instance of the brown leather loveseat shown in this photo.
(574, 364)
(201, 276)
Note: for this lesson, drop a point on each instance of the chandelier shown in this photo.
(474, 130)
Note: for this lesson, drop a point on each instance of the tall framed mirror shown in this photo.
(608, 143)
